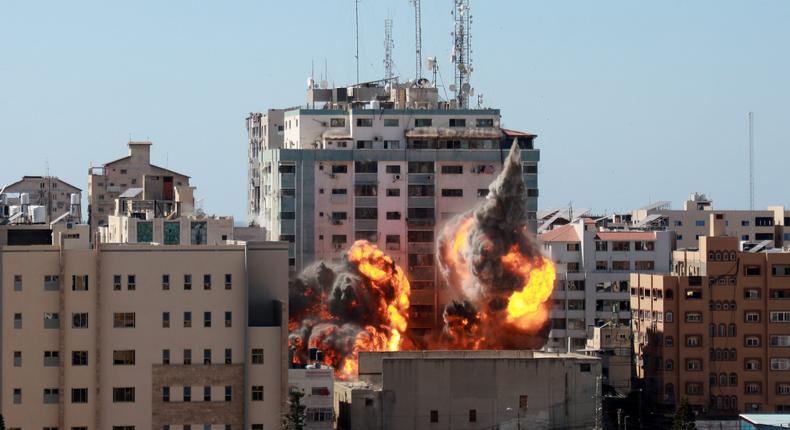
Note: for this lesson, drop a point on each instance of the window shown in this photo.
(187, 394)
(694, 364)
(669, 365)
(752, 341)
(51, 283)
(165, 356)
(693, 388)
(228, 319)
(752, 316)
(17, 396)
(780, 364)
(206, 356)
(165, 319)
(257, 356)
(482, 192)
(644, 246)
(229, 281)
(17, 358)
(116, 282)
(187, 319)
(17, 282)
(391, 122)
(364, 122)
(165, 394)
(187, 356)
(452, 170)
(752, 364)
(79, 282)
(206, 319)
(51, 358)
(17, 320)
(51, 396)
(780, 340)
(621, 246)
(339, 168)
(484, 122)
(699, 223)
(206, 282)
(472, 415)
(780, 316)
(79, 395)
(123, 320)
(693, 294)
(452, 192)
(228, 356)
(644, 265)
(602, 265)
(668, 317)
(393, 215)
(131, 282)
(165, 282)
(337, 122)
(780, 270)
(752, 270)
(257, 393)
(79, 358)
(753, 387)
(124, 357)
(751, 294)
(206, 394)
(366, 167)
(693, 341)
(187, 281)
(79, 320)
(228, 393)
(434, 416)
(423, 122)
(601, 245)
(783, 388)
(122, 394)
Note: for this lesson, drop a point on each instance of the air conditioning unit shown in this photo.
(377, 138)
(395, 177)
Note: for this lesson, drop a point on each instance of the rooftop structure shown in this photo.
(38, 200)
(133, 177)
(471, 390)
(317, 384)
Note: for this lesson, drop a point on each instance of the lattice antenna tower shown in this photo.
(389, 45)
(462, 52)
(417, 38)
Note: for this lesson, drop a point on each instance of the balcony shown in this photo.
(366, 202)
(287, 227)
(421, 247)
(366, 224)
(288, 204)
(338, 198)
(421, 202)
(287, 180)
(421, 178)
(420, 222)
(421, 273)
(365, 178)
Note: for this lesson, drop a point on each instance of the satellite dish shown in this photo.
(452, 87)
(465, 88)
(472, 92)
(324, 84)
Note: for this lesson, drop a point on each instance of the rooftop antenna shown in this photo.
(462, 52)
(417, 38)
(356, 15)
(389, 43)
(751, 161)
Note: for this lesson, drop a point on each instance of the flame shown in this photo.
(527, 309)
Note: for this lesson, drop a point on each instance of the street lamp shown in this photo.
(518, 416)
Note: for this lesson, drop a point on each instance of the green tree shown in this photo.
(295, 418)
(684, 417)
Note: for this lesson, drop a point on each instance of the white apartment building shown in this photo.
(127, 336)
(691, 222)
(386, 163)
(318, 386)
(593, 269)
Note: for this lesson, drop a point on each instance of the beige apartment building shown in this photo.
(110, 181)
(139, 335)
(54, 196)
(613, 344)
(716, 330)
(691, 222)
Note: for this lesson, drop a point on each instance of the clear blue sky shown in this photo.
(632, 101)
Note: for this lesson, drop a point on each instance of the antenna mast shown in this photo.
(356, 16)
(389, 44)
(751, 161)
(462, 51)
(417, 37)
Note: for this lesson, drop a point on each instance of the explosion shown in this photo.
(361, 305)
(498, 281)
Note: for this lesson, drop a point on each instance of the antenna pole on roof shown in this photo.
(356, 15)
(750, 166)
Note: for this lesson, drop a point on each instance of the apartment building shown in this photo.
(318, 385)
(612, 343)
(691, 222)
(593, 269)
(53, 195)
(110, 181)
(716, 329)
(140, 335)
(387, 163)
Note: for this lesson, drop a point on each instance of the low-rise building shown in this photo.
(471, 390)
(318, 385)
(612, 343)
(53, 195)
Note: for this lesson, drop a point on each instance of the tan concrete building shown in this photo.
(471, 390)
(613, 344)
(140, 336)
(716, 330)
(53, 195)
(135, 171)
(691, 222)
(318, 386)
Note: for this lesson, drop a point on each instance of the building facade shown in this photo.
(110, 181)
(613, 344)
(318, 386)
(593, 270)
(691, 222)
(140, 336)
(378, 164)
(56, 196)
(472, 390)
(716, 330)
